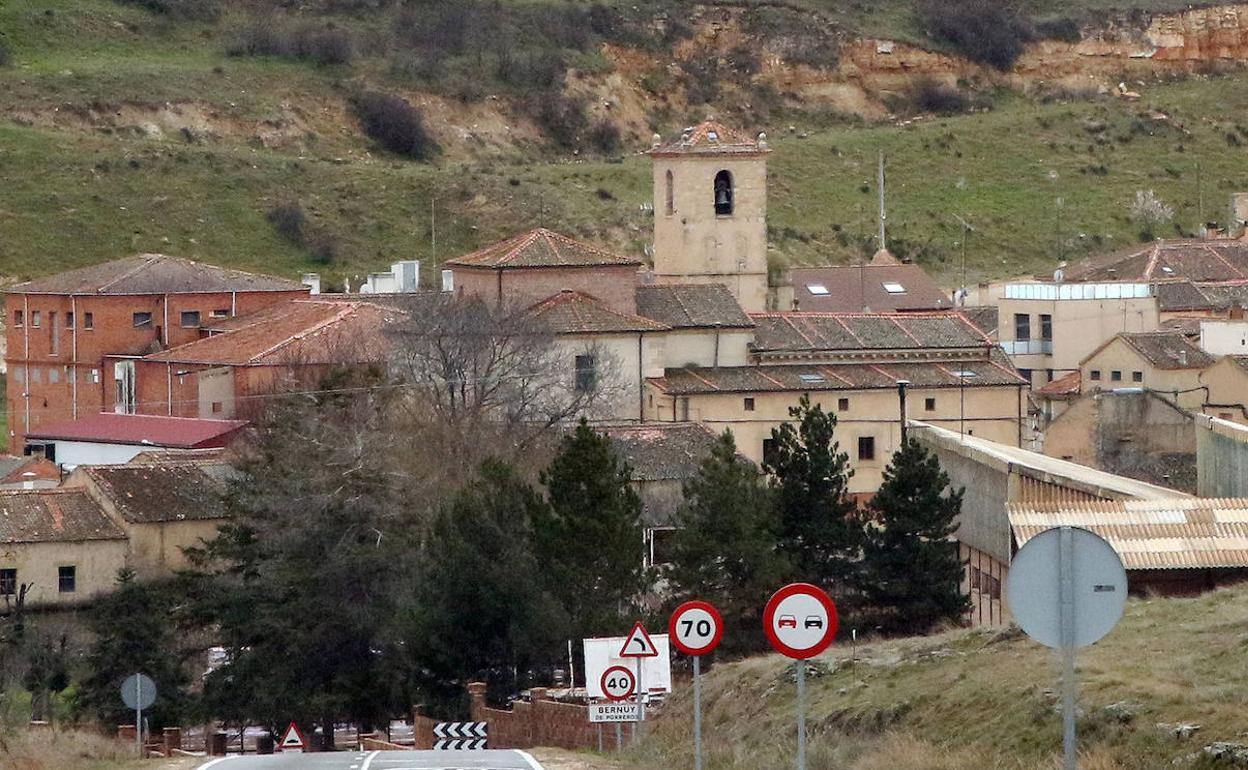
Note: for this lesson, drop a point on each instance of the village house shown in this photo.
(1165, 362)
(883, 285)
(59, 330)
(1226, 384)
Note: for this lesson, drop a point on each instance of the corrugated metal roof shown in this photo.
(1183, 533)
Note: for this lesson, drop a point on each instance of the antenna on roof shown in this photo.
(433, 232)
(883, 213)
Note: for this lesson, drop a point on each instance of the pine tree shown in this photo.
(725, 549)
(590, 537)
(912, 572)
(819, 532)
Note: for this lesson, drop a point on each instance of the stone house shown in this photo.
(1227, 384)
(1166, 362)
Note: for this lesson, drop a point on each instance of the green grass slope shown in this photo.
(979, 699)
(1039, 182)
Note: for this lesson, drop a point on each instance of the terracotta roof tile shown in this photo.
(794, 332)
(865, 288)
(53, 516)
(540, 248)
(692, 306)
(164, 491)
(574, 312)
(300, 331)
(110, 428)
(1066, 385)
(1193, 260)
(1183, 533)
(153, 274)
(1168, 350)
(710, 138)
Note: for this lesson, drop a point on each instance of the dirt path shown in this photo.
(560, 759)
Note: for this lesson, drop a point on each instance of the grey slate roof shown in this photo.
(152, 274)
(692, 306)
(53, 516)
(1168, 350)
(574, 312)
(662, 451)
(164, 491)
(782, 332)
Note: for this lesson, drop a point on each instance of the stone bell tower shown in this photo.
(710, 211)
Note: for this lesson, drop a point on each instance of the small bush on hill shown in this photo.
(931, 95)
(1063, 28)
(985, 31)
(6, 56)
(560, 116)
(394, 124)
(289, 221)
(194, 10)
(272, 36)
(605, 136)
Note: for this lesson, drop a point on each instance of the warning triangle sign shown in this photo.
(639, 644)
(292, 739)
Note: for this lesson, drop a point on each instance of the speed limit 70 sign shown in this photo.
(618, 683)
(696, 628)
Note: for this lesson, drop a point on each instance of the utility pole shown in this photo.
(901, 405)
(966, 233)
(1200, 198)
(433, 232)
(883, 213)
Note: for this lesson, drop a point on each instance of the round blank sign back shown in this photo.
(138, 691)
(1034, 586)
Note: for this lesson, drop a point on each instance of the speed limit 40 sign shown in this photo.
(618, 684)
(696, 628)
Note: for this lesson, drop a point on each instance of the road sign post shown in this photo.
(638, 644)
(138, 692)
(1067, 589)
(800, 621)
(292, 741)
(696, 629)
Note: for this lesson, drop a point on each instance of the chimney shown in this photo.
(312, 281)
(1182, 358)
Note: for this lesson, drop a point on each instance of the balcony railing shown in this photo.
(1028, 347)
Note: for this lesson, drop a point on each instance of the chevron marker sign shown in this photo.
(460, 736)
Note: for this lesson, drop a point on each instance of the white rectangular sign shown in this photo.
(614, 712)
(603, 653)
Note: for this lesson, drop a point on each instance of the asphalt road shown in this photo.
(381, 760)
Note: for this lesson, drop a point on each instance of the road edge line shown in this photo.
(212, 762)
(527, 758)
(369, 759)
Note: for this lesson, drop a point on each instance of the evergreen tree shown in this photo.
(913, 574)
(819, 532)
(133, 634)
(590, 538)
(481, 608)
(725, 549)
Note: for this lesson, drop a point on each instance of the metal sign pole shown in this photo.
(697, 712)
(801, 714)
(138, 717)
(619, 736)
(1066, 551)
(641, 705)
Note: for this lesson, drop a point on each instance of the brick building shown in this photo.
(61, 328)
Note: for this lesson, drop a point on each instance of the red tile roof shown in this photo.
(1193, 260)
(827, 332)
(53, 516)
(1066, 385)
(862, 289)
(574, 312)
(109, 428)
(540, 248)
(692, 306)
(710, 138)
(301, 331)
(153, 274)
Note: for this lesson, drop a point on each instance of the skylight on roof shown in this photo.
(964, 373)
(1167, 269)
(713, 136)
(811, 377)
(817, 289)
(894, 288)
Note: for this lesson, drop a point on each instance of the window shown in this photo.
(54, 375)
(1115, 376)
(88, 320)
(585, 373)
(723, 194)
(1025, 374)
(929, 404)
(221, 312)
(842, 405)
(19, 376)
(142, 319)
(1137, 376)
(54, 334)
(1046, 327)
(123, 382)
(1022, 327)
(749, 404)
(818, 289)
(1095, 375)
(669, 207)
(8, 582)
(1048, 375)
(866, 447)
(190, 319)
(36, 320)
(95, 376)
(66, 579)
(36, 374)
(69, 320)
(19, 318)
(769, 451)
(894, 288)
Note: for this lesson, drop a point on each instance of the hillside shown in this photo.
(983, 699)
(130, 126)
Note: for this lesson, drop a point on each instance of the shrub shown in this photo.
(269, 35)
(561, 117)
(931, 95)
(325, 46)
(1062, 28)
(193, 10)
(289, 221)
(985, 31)
(6, 56)
(605, 136)
(394, 124)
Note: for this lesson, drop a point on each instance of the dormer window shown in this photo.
(713, 136)
(723, 194)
